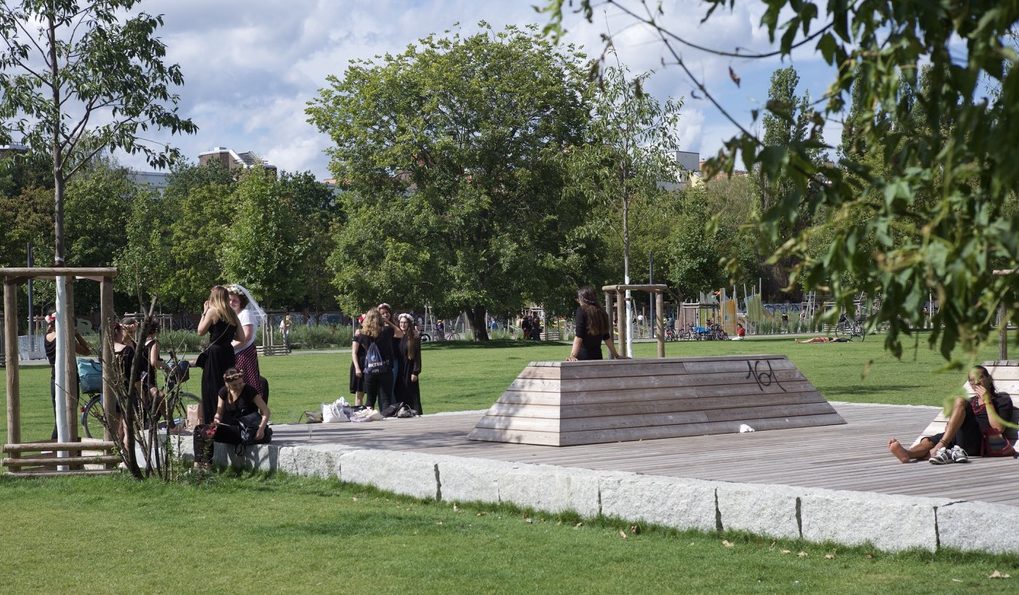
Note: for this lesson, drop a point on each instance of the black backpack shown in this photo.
(374, 364)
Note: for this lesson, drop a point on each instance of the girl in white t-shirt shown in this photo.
(250, 315)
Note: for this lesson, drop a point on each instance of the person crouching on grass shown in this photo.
(975, 426)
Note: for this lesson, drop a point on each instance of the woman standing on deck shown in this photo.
(592, 327)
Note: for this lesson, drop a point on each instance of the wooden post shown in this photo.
(71, 376)
(106, 340)
(621, 321)
(1002, 334)
(11, 352)
(660, 322)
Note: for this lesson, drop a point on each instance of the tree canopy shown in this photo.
(948, 177)
(450, 154)
(79, 78)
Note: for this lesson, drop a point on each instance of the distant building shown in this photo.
(11, 149)
(234, 161)
(156, 180)
(688, 174)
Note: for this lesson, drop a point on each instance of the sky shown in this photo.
(250, 67)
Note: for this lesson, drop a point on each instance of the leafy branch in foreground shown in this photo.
(928, 206)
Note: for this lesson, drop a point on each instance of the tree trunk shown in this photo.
(479, 323)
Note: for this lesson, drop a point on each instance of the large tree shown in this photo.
(450, 153)
(956, 175)
(79, 78)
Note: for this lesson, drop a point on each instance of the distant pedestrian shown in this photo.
(285, 329)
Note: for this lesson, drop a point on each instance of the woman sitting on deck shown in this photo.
(975, 426)
(592, 327)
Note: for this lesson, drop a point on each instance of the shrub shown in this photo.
(320, 337)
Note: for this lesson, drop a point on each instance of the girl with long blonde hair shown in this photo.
(222, 325)
(378, 379)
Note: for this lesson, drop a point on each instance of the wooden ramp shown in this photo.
(572, 403)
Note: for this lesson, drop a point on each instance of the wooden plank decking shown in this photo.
(572, 403)
(851, 457)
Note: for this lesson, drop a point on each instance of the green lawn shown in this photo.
(461, 376)
(241, 533)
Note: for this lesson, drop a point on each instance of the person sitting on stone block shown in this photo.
(975, 426)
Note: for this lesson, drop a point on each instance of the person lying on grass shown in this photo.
(975, 425)
(823, 340)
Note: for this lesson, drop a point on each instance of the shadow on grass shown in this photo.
(872, 389)
(491, 344)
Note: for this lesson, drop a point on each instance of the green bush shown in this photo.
(320, 337)
(181, 341)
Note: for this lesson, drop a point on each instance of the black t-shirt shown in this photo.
(244, 404)
(384, 342)
(591, 344)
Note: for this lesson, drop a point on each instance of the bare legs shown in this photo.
(926, 448)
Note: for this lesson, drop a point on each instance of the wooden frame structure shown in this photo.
(12, 278)
(619, 291)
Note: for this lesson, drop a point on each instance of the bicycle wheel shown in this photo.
(92, 412)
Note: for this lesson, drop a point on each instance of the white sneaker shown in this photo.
(958, 454)
(942, 457)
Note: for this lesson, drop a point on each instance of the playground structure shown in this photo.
(69, 457)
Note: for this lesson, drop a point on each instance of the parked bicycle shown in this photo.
(176, 373)
(850, 328)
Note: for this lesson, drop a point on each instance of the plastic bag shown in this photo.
(366, 415)
(334, 412)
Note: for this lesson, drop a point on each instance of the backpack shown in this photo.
(374, 364)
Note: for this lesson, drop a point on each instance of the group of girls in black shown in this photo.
(395, 379)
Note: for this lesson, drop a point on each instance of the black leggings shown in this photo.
(380, 387)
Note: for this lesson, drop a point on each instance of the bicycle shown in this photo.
(852, 328)
(177, 400)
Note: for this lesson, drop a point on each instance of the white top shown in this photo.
(247, 320)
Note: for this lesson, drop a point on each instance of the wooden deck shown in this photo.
(844, 457)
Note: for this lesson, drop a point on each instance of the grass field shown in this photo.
(463, 376)
(242, 532)
(248, 533)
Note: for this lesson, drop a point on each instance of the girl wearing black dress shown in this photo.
(592, 327)
(408, 390)
(222, 325)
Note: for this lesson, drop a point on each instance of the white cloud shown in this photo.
(250, 66)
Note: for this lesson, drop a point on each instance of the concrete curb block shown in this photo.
(407, 473)
(887, 522)
(771, 510)
(979, 526)
(670, 501)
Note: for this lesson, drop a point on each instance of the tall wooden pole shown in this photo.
(11, 353)
(106, 341)
(622, 321)
(71, 369)
(660, 323)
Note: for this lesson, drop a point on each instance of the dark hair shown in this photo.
(232, 290)
(984, 379)
(597, 318)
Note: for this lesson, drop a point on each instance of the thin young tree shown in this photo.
(78, 78)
